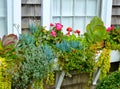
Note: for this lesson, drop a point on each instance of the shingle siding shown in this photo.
(116, 12)
(31, 11)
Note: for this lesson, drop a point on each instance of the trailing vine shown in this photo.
(50, 78)
(104, 62)
(5, 79)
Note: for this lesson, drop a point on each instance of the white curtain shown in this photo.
(3, 15)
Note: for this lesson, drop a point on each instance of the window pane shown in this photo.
(56, 7)
(3, 26)
(91, 7)
(67, 22)
(56, 20)
(2, 8)
(3, 13)
(67, 7)
(76, 13)
(79, 7)
(79, 23)
(88, 20)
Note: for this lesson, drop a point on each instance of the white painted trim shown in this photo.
(106, 12)
(96, 77)
(17, 17)
(13, 16)
(9, 16)
(115, 56)
(46, 13)
(59, 83)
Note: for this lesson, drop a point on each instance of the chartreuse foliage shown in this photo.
(95, 33)
(7, 60)
(37, 62)
(112, 81)
(104, 63)
(96, 30)
(5, 78)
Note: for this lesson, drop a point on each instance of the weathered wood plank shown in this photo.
(116, 2)
(116, 20)
(116, 11)
(31, 10)
(25, 31)
(27, 21)
(31, 1)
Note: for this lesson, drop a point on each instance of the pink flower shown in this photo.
(51, 24)
(58, 26)
(53, 33)
(110, 28)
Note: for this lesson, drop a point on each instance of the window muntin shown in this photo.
(75, 13)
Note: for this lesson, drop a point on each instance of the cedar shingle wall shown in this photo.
(31, 11)
(116, 12)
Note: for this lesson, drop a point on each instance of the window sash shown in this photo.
(10, 17)
(106, 9)
(80, 9)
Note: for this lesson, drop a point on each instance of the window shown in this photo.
(75, 13)
(3, 17)
(10, 16)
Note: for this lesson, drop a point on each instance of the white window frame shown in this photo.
(106, 12)
(14, 17)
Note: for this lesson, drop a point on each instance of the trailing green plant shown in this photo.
(103, 63)
(40, 34)
(5, 77)
(119, 67)
(74, 56)
(50, 37)
(113, 39)
(37, 62)
(112, 81)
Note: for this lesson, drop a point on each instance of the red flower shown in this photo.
(68, 33)
(77, 31)
(51, 24)
(110, 28)
(58, 26)
(69, 29)
(53, 33)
